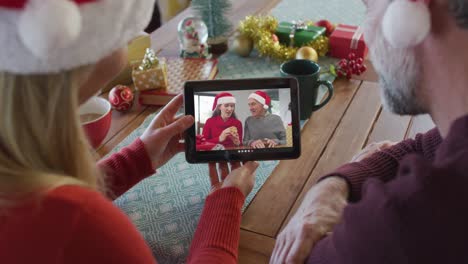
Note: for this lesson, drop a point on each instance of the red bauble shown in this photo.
(121, 98)
(327, 25)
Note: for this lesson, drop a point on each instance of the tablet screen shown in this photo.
(255, 119)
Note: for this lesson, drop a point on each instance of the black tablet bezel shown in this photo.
(191, 87)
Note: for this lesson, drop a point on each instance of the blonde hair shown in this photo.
(42, 144)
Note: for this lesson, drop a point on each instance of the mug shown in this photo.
(96, 116)
(307, 74)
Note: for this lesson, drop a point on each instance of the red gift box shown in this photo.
(346, 39)
(202, 145)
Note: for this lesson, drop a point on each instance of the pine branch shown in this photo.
(213, 13)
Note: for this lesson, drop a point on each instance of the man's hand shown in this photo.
(319, 212)
(241, 177)
(161, 138)
(371, 149)
(271, 143)
(257, 144)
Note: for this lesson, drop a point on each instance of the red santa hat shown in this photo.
(223, 98)
(406, 23)
(43, 36)
(262, 98)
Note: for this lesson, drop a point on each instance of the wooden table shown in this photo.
(352, 119)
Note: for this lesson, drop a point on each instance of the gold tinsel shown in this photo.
(260, 30)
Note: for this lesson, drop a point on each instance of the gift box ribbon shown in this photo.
(356, 37)
(295, 26)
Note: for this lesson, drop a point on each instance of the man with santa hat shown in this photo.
(263, 129)
(407, 201)
(223, 127)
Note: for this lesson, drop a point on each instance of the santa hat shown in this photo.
(44, 36)
(223, 98)
(262, 98)
(406, 23)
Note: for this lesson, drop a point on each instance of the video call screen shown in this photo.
(243, 120)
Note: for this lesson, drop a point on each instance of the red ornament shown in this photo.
(352, 65)
(327, 25)
(274, 38)
(121, 98)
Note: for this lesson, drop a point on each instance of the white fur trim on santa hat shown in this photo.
(406, 23)
(48, 25)
(259, 99)
(106, 25)
(226, 100)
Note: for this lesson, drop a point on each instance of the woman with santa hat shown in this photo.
(223, 127)
(263, 129)
(55, 201)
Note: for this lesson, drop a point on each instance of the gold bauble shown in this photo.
(242, 45)
(307, 53)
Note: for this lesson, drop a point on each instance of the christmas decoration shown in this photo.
(213, 13)
(352, 65)
(307, 53)
(151, 73)
(298, 33)
(346, 39)
(327, 25)
(203, 145)
(261, 28)
(242, 45)
(121, 98)
(398, 31)
(193, 35)
(275, 38)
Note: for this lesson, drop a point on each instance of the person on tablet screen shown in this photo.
(223, 127)
(263, 129)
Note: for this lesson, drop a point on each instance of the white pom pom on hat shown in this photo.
(46, 26)
(49, 36)
(406, 23)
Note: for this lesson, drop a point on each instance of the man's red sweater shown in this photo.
(72, 224)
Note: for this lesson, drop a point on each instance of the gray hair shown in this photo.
(459, 9)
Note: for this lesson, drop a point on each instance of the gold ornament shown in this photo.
(242, 45)
(307, 53)
(260, 30)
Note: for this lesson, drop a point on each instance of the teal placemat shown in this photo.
(166, 206)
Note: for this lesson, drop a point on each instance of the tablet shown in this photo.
(242, 120)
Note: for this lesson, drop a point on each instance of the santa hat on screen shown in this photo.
(43, 36)
(262, 98)
(223, 98)
(406, 23)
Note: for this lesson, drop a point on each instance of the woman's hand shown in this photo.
(241, 177)
(235, 138)
(257, 144)
(161, 138)
(226, 132)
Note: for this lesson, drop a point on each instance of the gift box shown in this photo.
(303, 33)
(202, 145)
(136, 52)
(151, 74)
(347, 39)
